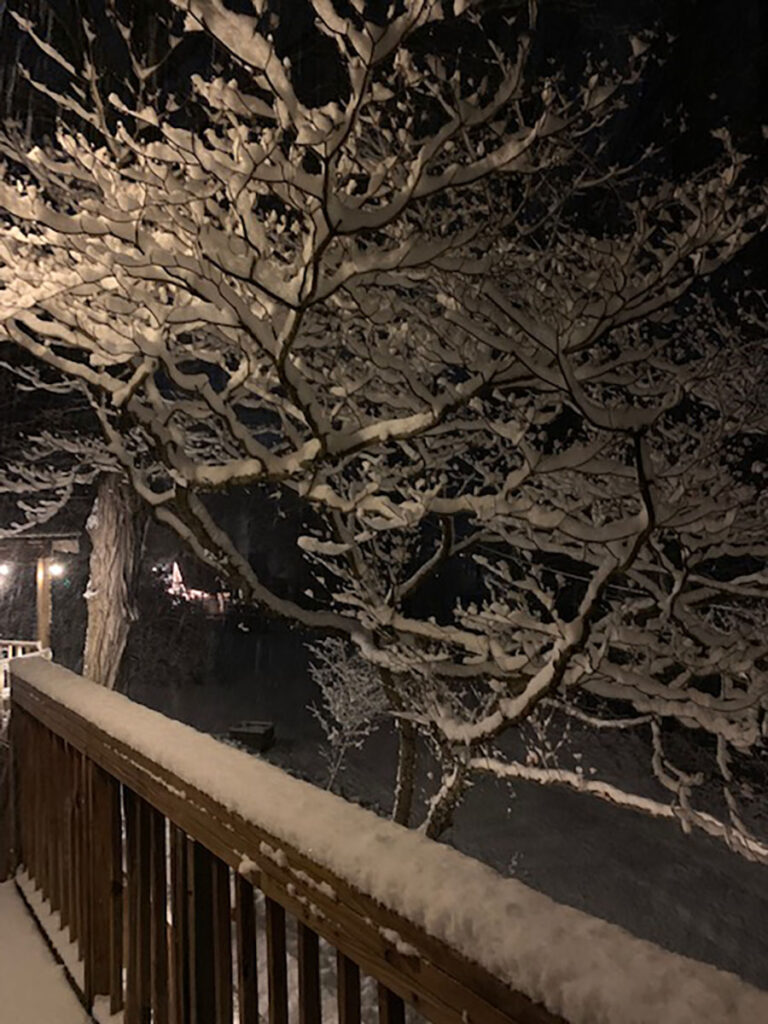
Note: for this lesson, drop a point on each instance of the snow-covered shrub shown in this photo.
(353, 702)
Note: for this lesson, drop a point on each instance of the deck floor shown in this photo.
(33, 988)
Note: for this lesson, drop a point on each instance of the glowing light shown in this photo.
(5, 569)
(56, 569)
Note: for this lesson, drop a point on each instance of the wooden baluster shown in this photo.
(276, 969)
(99, 881)
(66, 840)
(54, 817)
(160, 1009)
(180, 924)
(29, 811)
(74, 851)
(391, 1007)
(114, 865)
(222, 942)
(44, 761)
(20, 786)
(86, 887)
(15, 807)
(247, 972)
(8, 834)
(131, 898)
(39, 808)
(348, 989)
(309, 975)
(29, 799)
(5, 809)
(202, 983)
(144, 918)
(34, 775)
(56, 877)
(138, 999)
(81, 851)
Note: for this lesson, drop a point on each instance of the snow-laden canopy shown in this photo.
(432, 307)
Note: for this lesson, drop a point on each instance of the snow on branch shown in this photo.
(524, 437)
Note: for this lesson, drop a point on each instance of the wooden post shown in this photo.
(44, 600)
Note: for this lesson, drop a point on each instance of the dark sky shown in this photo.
(716, 65)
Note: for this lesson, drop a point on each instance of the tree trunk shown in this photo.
(405, 778)
(116, 526)
(455, 782)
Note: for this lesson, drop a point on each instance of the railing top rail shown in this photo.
(438, 928)
(12, 649)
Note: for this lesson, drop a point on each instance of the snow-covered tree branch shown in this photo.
(390, 292)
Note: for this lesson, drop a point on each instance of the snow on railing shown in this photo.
(203, 827)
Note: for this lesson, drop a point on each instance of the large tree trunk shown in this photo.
(116, 526)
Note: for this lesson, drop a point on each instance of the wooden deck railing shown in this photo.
(18, 648)
(10, 649)
(160, 886)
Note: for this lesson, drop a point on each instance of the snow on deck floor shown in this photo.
(33, 989)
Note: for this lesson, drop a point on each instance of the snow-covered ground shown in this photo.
(33, 988)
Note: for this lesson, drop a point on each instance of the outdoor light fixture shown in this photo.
(56, 569)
